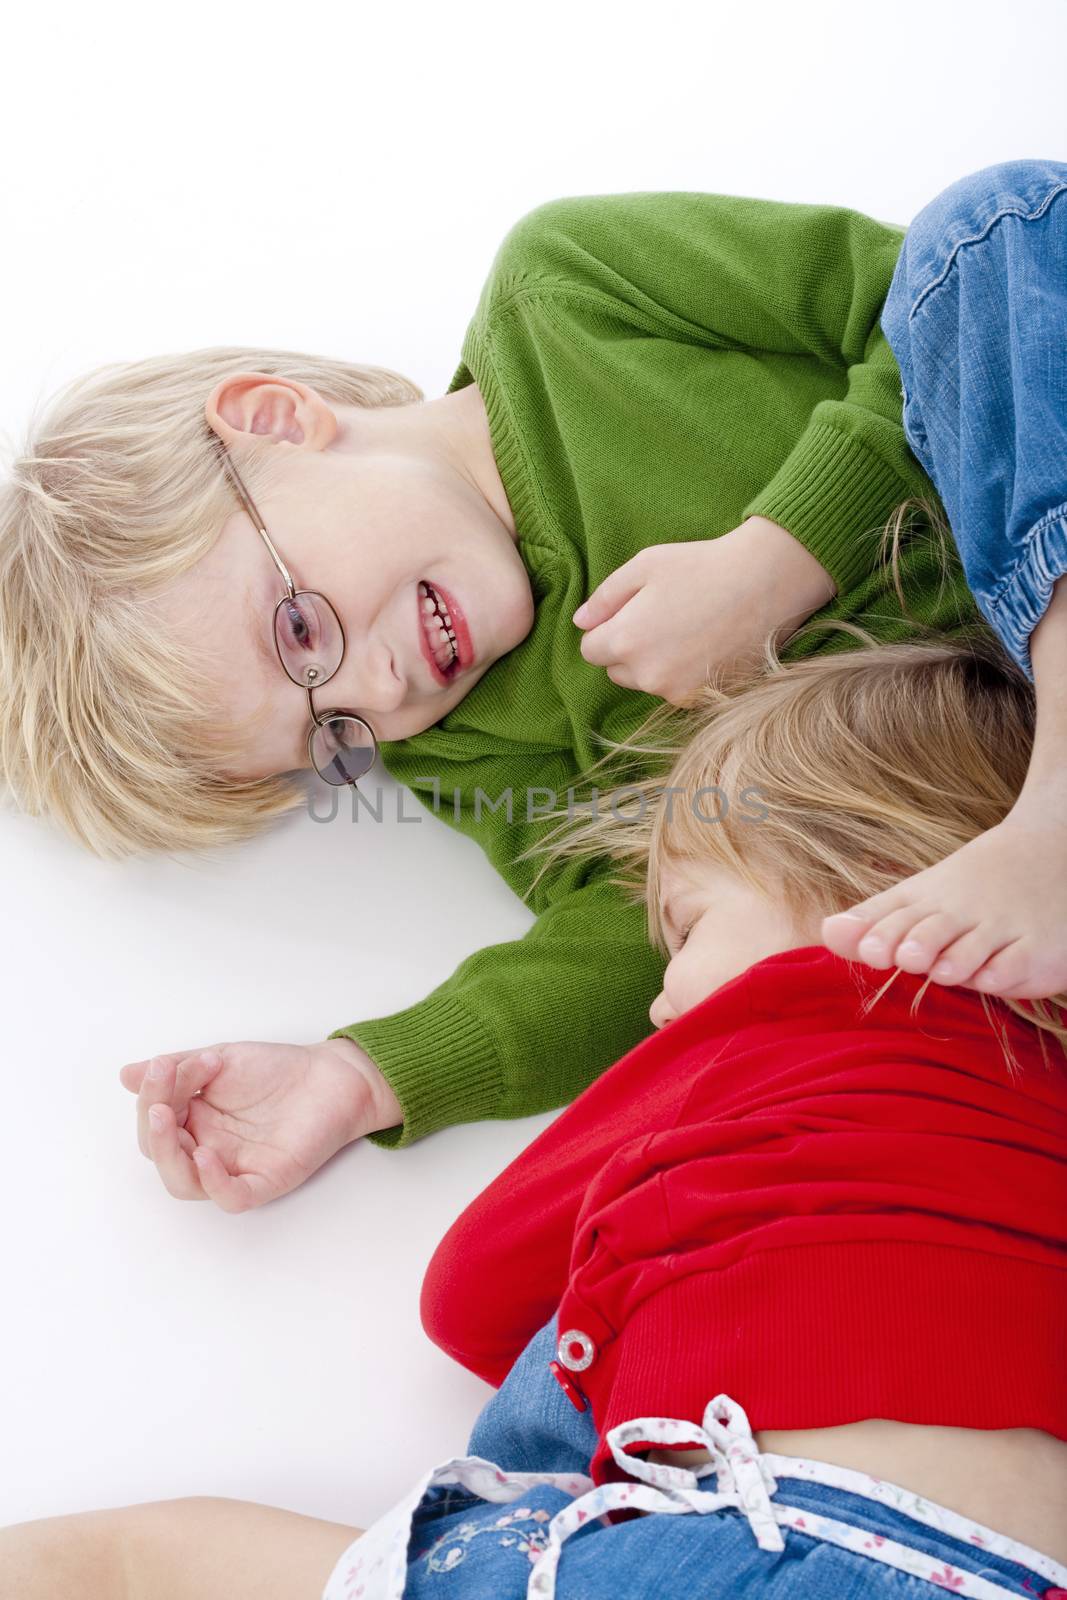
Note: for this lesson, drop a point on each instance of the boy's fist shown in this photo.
(243, 1123)
(670, 617)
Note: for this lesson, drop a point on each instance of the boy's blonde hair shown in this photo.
(839, 775)
(105, 724)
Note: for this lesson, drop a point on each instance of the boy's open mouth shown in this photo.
(446, 640)
(439, 629)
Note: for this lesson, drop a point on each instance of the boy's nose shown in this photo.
(384, 688)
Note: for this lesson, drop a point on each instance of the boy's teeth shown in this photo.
(429, 604)
(438, 629)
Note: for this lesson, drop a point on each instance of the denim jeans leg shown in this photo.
(976, 316)
(529, 1425)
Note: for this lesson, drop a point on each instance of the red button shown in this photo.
(570, 1389)
(1054, 1594)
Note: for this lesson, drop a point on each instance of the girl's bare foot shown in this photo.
(992, 916)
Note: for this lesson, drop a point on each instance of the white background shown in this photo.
(338, 180)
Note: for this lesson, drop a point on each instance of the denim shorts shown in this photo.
(518, 1519)
(976, 316)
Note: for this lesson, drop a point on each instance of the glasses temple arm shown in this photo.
(250, 507)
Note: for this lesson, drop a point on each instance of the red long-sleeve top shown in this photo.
(827, 1215)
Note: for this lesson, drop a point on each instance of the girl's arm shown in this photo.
(199, 1548)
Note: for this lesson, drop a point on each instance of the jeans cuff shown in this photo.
(1022, 601)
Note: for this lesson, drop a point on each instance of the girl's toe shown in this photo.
(843, 931)
(1003, 971)
(926, 940)
(959, 961)
(878, 947)
(1026, 972)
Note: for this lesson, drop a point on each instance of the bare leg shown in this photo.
(59, 1556)
(991, 915)
(191, 1549)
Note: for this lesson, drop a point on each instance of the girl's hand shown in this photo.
(672, 614)
(241, 1124)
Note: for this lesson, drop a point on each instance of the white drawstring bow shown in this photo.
(742, 1481)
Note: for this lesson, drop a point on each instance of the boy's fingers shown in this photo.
(153, 1091)
(173, 1086)
(618, 587)
(173, 1164)
(131, 1076)
(613, 642)
(233, 1194)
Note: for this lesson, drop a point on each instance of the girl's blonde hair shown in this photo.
(107, 725)
(821, 781)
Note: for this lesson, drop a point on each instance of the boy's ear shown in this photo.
(263, 404)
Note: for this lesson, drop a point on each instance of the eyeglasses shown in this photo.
(310, 642)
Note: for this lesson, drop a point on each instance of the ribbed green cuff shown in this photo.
(834, 495)
(439, 1061)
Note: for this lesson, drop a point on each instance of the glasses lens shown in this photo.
(342, 749)
(309, 636)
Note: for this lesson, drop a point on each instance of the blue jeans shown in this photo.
(462, 1547)
(976, 316)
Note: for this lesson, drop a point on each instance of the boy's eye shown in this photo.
(297, 624)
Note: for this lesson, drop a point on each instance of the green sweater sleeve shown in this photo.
(760, 275)
(522, 1026)
(848, 471)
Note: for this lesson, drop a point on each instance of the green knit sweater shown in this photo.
(654, 366)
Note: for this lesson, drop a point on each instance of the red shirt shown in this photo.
(826, 1215)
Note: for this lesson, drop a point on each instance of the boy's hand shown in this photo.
(672, 614)
(241, 1124)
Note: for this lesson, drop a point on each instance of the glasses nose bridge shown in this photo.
(311, 704)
